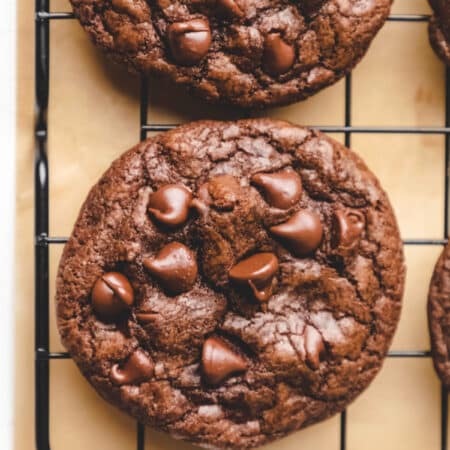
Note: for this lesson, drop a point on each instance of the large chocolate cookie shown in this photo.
(232, 282)
(243, 52)
(439, 29)
(439, 316)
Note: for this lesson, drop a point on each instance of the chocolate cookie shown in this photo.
(439, 316)
(439, 29)
(231, 282)
(244, 52)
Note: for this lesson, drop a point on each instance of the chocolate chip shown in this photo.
(220, 361)
(228, 9)
(282, 189)
(170, 204)
(138, 368)
(112, 295)
(278, 55)
(175, 266)
(314, 346)
(302, 233)
(189, 41)
(258, 271)
(348, 228)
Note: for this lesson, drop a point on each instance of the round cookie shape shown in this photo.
(250, 53)
(248, 320)
(439, 29)
(439, 316)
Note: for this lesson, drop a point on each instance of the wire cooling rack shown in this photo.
(42, 240)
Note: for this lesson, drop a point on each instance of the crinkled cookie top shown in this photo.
(244, 52)
(232, 282)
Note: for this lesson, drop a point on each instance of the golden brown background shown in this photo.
(94, 117)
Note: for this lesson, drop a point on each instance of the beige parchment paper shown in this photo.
(94, 117)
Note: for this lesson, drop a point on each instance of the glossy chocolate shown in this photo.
(302, 233)
(281, 189)
(139, 367)
(189, 41)
(112, 295)
(170, 204)
(258, 272)
(175, 267)
(220, 361)
(279, 56)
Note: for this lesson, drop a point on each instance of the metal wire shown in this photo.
(42, 240)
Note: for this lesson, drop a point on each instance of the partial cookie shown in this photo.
(439, 29)
(439, 316)
(250, 53)
(231, 282)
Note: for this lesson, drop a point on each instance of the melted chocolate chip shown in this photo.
(170, 204)
(112, 295)
(282, 189)
(302, 233)
(189, 41)
(220, 361)
(138, 368)
(258, 272)
(349, 226)
(278, 55)
(175, 267)
(314, 347)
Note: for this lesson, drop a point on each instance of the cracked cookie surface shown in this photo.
(439, 29)
(439, 316)
(231, 282)
(250, 53)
